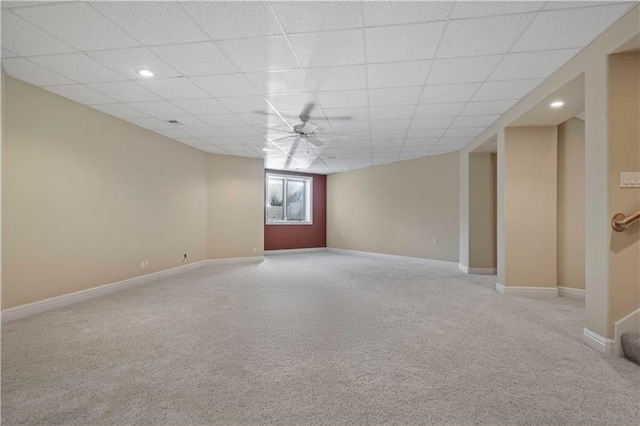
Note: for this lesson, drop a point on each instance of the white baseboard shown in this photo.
(601, 344)
(628, 324)
(477, 271)
(574, 293)
(527, 291)
(29, 309)
(233, 260)
(445, 263)
(294, 251)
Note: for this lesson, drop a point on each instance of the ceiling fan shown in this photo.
(306, 130)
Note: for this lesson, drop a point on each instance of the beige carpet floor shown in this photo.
(316, 338)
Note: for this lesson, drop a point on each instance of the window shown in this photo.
(288, 199)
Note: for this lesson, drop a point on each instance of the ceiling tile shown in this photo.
(425, 147)
(7, 54)
(204, 132)
(448, 93)
(25, 39)
(80, 94)
(127, 61)
(359, 113)
(201, 106)
(379, 125)
(196, 58)
(343, 99)
(516, 66)
(173, 88)
(439, 110)
(482, 36)
(222, 120)
(423, 134)
(404, 12)
(173, 133)
(464, 131)
(474, 9)
(298, 17)
(437, 150)
(124, 91)
(342, 127)
(78, 67)
(462, 70)
(458, 141)
(550, 5)
(150, 123)
(237, 131)
(394, 96)
(403, 43)
(225, 20)
(225, 85)
(566, 28)
(157, 109)
(398, 74)
(474, 121)
(329, 49)
(289, 81)
(186, 121)
(295, 102)
(260, 54)
(257, 119)
(431, 123)
(26, 70)
(499, 90)
(245, 104)
(487, 107)
(77, 24)
(337, 78)
(220, 140)
(152, 22)
(391, 112)
(119, 110)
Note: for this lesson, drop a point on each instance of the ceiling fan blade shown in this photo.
(304, 115)
(315, 141)
(277, 130)
(332, 135)
(339, 118)
(285, 137)
(308, 127)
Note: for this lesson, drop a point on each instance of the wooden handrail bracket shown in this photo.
(620, 222)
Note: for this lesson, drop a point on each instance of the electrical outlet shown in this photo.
(142, 264)
(343, 235)
(254, 249)
(435, 241)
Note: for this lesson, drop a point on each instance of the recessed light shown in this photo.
(145, 73)
(266, 149)
(557, 104)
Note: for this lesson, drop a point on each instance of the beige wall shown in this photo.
(235, 207)
(482, 211)
(397, 208)
(530, 206)
(624, 155)
(87, 196)
(571, 204)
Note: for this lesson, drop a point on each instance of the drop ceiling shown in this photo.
(401, 79)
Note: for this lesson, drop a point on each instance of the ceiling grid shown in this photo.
(402, 80)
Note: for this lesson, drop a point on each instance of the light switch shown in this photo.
(629, 179)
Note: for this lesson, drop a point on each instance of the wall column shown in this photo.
(527, 211)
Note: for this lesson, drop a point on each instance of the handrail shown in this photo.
(620, 222)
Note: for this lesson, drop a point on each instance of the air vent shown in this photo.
(174, 122)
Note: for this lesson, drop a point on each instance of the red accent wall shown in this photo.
(279, 237)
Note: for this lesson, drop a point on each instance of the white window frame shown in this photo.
(308, 204)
